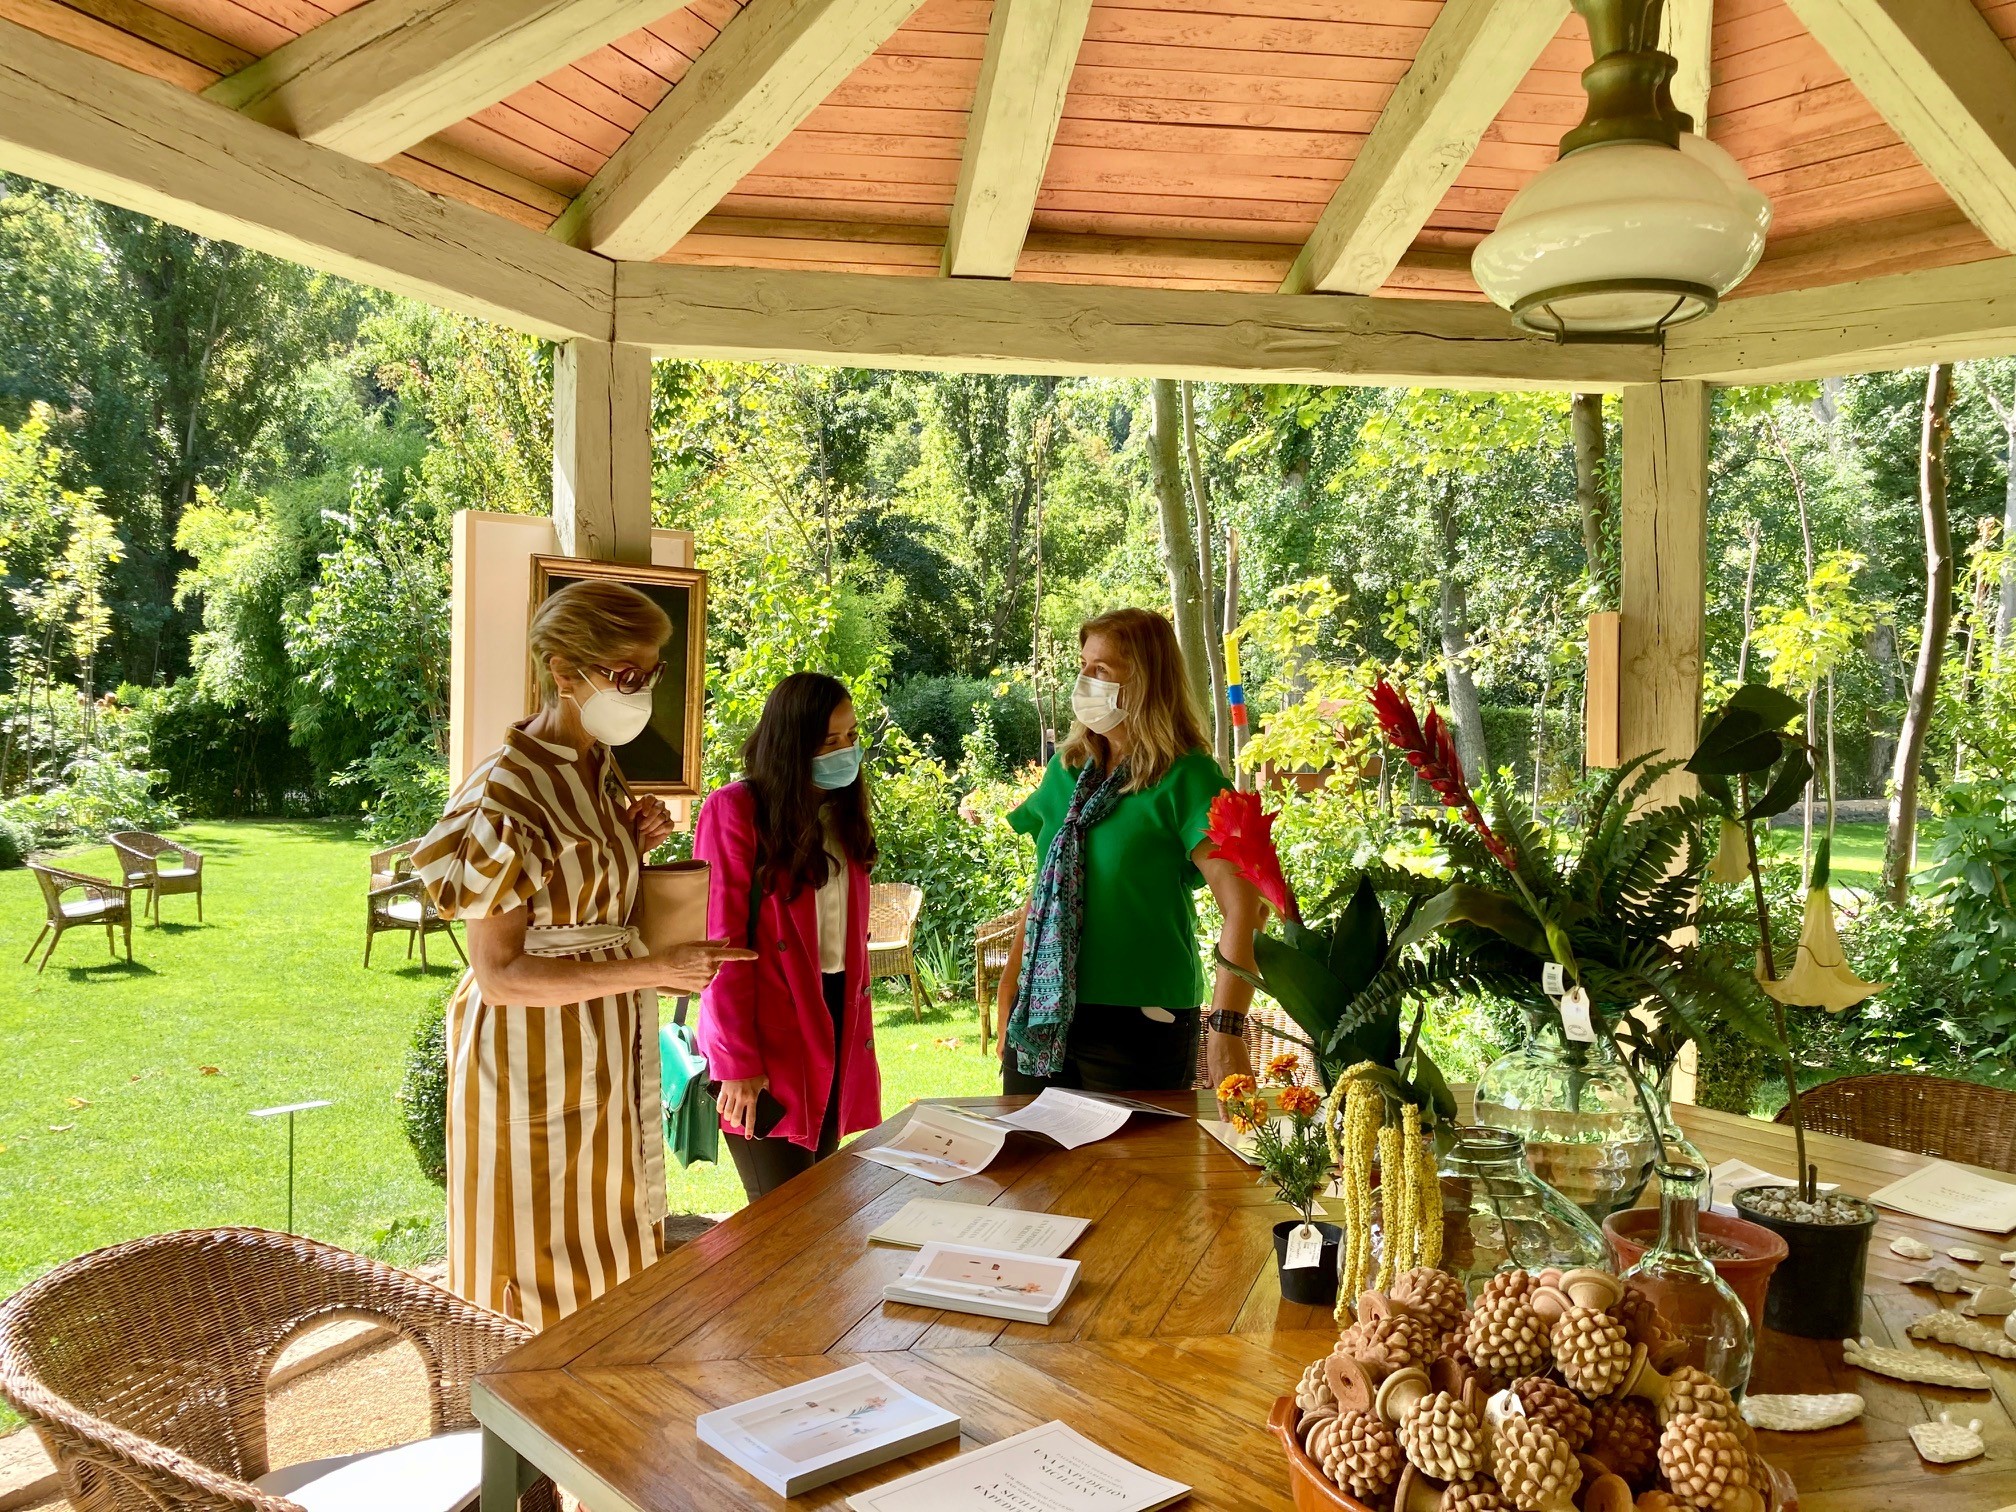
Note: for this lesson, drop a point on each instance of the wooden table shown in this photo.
(1170, 1352)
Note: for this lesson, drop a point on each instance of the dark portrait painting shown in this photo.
(665, 759)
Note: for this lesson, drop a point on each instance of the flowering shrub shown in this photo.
(1293, 1150)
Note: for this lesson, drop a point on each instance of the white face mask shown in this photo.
(1096, 704)
(614, 718)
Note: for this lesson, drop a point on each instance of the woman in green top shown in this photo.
(1103, 985)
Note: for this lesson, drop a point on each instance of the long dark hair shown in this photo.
(777, 763)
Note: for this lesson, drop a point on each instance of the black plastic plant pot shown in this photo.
(1314, 1284)
(1816, 1292)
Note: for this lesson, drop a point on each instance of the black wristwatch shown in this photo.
(1224, 1021)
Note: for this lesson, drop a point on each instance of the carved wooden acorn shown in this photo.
(1362, 1456)
(1706, 1465)
(1555, 1405)
(1592, 1351)
(1536, 1470)
(1506, 1337)
(1624, 1435)
(1443, 1438)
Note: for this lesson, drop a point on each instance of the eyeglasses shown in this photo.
(631, 679)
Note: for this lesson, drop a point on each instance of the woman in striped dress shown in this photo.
(556, 1169)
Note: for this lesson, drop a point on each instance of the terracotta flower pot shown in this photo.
(1635, 1230)
(1313, 1491)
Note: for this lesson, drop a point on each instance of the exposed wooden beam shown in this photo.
(1942, 78)
(771, 65)
(1687, 31)
(79, 122)
(1904, 320)
(863, 320)
(1032, 46)
(1469, 63)
(602, 450)
(373, 81)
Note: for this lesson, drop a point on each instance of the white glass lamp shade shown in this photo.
(1624, 237)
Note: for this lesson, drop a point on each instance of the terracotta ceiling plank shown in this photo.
(446, 156)
(1240, 64)
(1262, 34)
(484, 141)
(774, 62)
(615, 69)
(507, 120)
(1416, 13)
(585, 91)
(104, 40)
(249, 30)
(745, 203)
(938, 125)
(437, 180)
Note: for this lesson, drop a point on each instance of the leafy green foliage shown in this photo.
(423, 1092)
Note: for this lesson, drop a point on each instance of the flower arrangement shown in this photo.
(1292, 1152)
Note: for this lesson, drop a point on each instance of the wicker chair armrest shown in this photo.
(398, 887)
(96, 887)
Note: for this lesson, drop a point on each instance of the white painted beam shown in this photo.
(1687, 31)
(602, 450)
(985, 325)
(1945, 82)
(373, 81)
(1472, 59)
(771, 65)
(87, 125)
(1032, 46)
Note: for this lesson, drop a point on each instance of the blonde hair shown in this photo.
(592, 623)
(1162, 716)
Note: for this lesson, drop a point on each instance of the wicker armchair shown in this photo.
(143, 1367)
(160, 868)
(992, 944)
(1927, 1115)
(892, 918)
(1265, 1026)
(398, 901)
(103, 902)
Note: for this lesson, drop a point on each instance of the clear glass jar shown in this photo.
(1681, 1282)
(1576, 1109)
(1497, 1215)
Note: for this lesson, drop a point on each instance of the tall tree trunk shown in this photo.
(1592, 493)
(1454, 622)
(1753, 538)
(1812, 693)
(1036, 639)
(1179, 549)
(1881, 645)
(1200, 493)
(2005, 608)
(1230, 629)
(1900, 850)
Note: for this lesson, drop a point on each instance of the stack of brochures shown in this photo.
(804, 1436)
(992, 1283)
(925, 1220)
(1047, 1469)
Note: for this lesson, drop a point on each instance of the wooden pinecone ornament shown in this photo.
(1624, 1434)
(1319, 1434)
(1312, 1392)
(1640, 1317)
(1555, 1405)
(1507, 1283)
(1592, 1350)
(1362, 1456)
(1537, 1471)
(1506, 1337)
(1690, 1390)
(1707, 1466)
(1479, 1495)
(1388, 1343)
(1434, 1296)
(1443, 1438)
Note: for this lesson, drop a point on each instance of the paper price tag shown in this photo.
(1305, 1248)
(1575, 1016)
(1553, 980)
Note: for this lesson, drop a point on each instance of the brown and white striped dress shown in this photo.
(555, 1131)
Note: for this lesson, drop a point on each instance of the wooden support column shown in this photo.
(1664, 586)
(602, 450)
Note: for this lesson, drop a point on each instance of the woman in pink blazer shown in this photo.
(789, 1035)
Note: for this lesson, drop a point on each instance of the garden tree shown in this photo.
(1901, 844)
(1179, 543)
(1215, 613)
(1592, 497)
(1803, 644)
(1987, 375)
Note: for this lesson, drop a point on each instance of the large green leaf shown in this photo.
(1358, 941)
(1785, 787)
(1300, 982)
(1743, 736)
(1463, 903)
(1774, 708)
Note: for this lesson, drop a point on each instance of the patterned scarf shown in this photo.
(1046, 996)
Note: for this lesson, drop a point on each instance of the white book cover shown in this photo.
(1948, 1193)
(991, 1283)
(1733, 1175)
(806, 1435)
(940, 1144)
(1048, 1469)
(927, 1220)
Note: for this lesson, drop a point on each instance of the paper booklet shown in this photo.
(806, 1435)
(945, 1144)
(1047, 1469)
(1733, 1175)
(924, 1220)
(1947, 1193)
(992, 1283)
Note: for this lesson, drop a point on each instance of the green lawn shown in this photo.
(1858, 851)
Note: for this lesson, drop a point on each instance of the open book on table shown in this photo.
(1047, 1469)
(1948, 1193)
(945, 1144)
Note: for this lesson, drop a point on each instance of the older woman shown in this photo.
(556, 1142)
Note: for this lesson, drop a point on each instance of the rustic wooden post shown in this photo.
(602, 450)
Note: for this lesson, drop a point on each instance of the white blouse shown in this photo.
(832, 899)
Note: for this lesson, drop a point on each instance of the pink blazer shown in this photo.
(768, 1017)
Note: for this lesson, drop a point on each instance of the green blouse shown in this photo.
(1139, 948)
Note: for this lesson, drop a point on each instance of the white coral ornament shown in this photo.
(1951, 1328)
(1802, 1414)
(1941, 1278)
(1919, 1365)
(1945, 1442)
(1991, 1301)
(1911, 1249)
(1967, 1254)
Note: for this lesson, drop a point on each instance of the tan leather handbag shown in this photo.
(671, 905)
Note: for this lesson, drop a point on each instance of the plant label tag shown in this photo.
(1575, 1016)
(1305, 1248)
(1553, 980)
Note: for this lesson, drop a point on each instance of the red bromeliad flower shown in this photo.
(1431, 751)
(1242, 832)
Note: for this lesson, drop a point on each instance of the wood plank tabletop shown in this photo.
(1170, 1352)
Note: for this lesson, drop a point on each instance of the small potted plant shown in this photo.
(1294, 1154)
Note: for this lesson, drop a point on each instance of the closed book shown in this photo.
(806, 1435)
(927, 1220)
(987, 1282)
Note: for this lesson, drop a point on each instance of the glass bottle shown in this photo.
(1497, 1215)
(1681, 1282)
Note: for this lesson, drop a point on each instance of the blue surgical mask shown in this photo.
(837, 769)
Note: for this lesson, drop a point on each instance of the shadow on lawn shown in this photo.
(104, 971)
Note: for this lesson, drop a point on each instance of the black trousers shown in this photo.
(1115, 1048)
(766, 1164)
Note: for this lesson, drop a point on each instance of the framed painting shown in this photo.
(665, 759)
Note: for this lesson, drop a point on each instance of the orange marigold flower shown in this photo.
(1236, 1086)
(1302, 1102)
(1285, 1069)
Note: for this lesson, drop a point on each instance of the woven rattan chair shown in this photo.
(992, 943)
(143, 1367)
(159, 867)
(96, 901)
(398, 901)
(1265, 1023)
(892, 919)
(1927, 1115)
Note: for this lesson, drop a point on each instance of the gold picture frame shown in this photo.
(665, 759)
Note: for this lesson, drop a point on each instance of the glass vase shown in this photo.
(1497, 1215)
(1681, 1282)
(1576, 1109)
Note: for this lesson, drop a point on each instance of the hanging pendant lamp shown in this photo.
(1641, 224)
